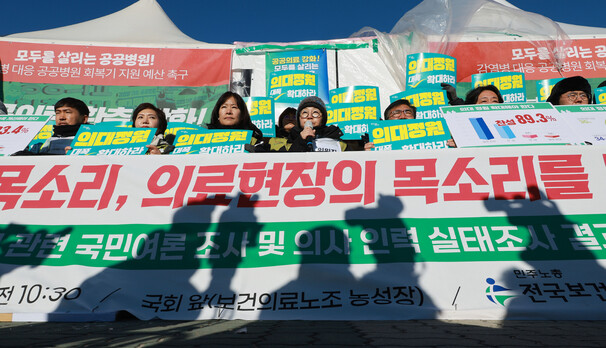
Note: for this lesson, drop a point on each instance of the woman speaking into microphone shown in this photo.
(311, 132)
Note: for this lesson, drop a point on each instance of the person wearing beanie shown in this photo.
(311, 134)
(571, 90)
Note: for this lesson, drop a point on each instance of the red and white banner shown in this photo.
(116, 66)
(585, 57)
(516, 232)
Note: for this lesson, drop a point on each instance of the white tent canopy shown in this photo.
(158, 29)
(120, 28)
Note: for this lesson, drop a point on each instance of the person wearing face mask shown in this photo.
(147, 115)
(311, 134)
(569, 91)
(70, 114)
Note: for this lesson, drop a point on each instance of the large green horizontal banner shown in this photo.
(485, 233)
(114, 103)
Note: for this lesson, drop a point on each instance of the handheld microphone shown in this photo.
(310, 139)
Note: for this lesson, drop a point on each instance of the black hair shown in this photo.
(289, 111)
(575, 83)
(162, 123)
(472, 96)
(73, 103)
(244, 121)
(398, 103)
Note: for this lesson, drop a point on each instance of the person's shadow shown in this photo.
(555, 274)
(154, 284)
(22, 249)
(324, 285)
(24, 255)
(236, 234)
(394, 249)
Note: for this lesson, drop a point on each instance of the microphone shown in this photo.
(310, 139)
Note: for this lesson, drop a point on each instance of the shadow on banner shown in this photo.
(558, 276)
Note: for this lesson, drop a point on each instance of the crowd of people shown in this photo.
(303, 129)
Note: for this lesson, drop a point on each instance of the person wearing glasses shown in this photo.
(400, 109)
(311, 134)
(571, 90)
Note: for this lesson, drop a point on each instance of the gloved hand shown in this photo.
(451, 92)
(250, 148)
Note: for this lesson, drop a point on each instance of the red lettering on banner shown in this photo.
(512, 175)
(531, 178)
(116, 66)
(297, 172)
(322, 172)
(583, 57)
(210, 184)
(418, 177)
(9, 191)
(154, 186)
(369, 181)
(292, 197)
(183, 185)
(341, 185)
(416, 183)
(253, 178)
(45, 200)
(564, 177)
(110, 187)
(465, 189)
(346, 176)
(357, 174)
(76, 200)
(173, 177)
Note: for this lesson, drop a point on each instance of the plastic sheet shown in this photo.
(438, 25)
